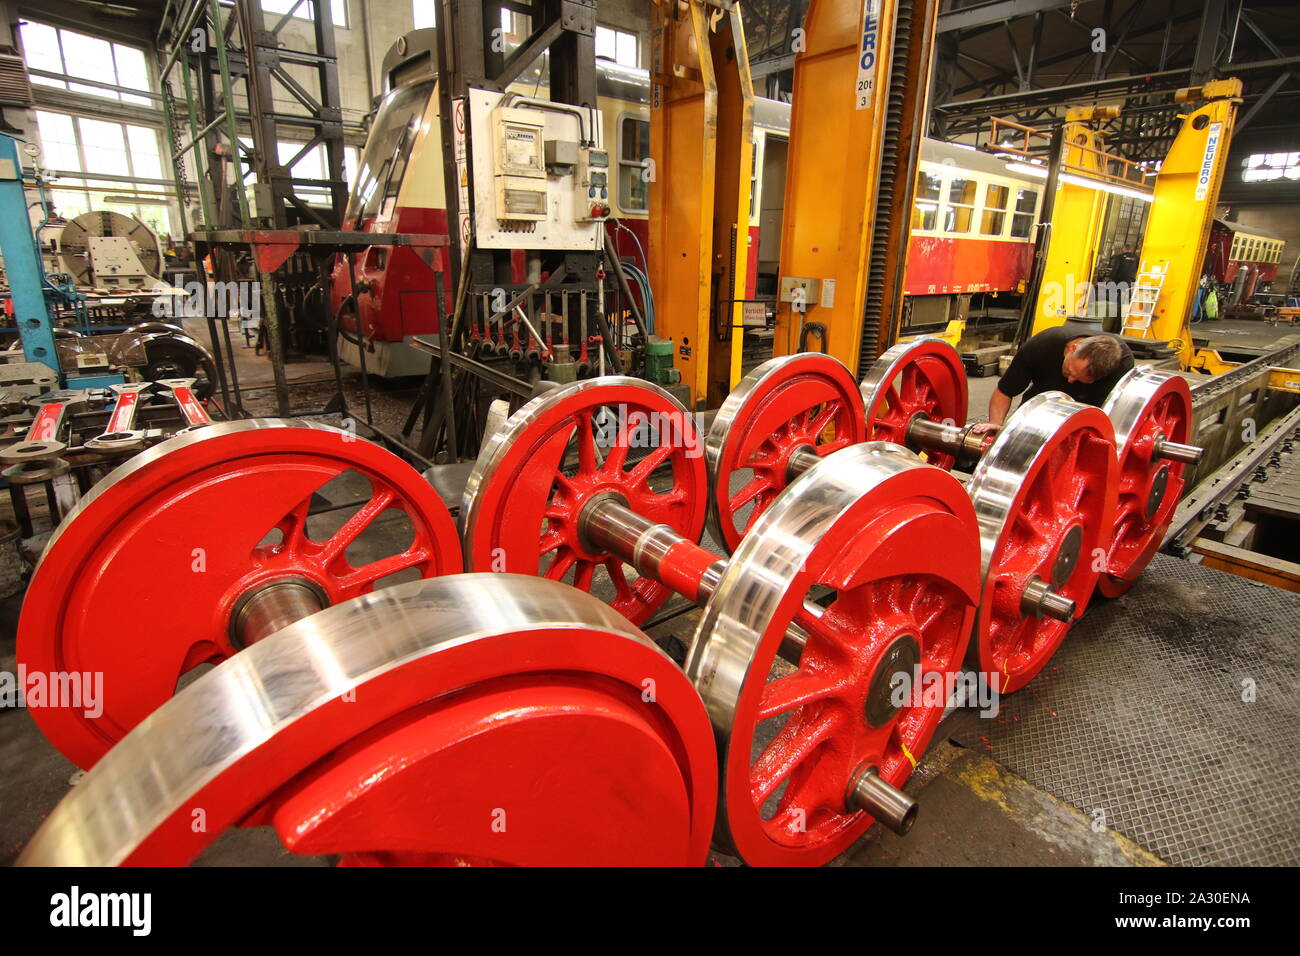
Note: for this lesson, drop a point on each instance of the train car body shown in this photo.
(972, 225)
(1242, 259)
(400, 187)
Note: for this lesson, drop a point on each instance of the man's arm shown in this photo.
(1018, 377)
(999, 405)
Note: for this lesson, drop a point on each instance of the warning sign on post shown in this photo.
(867, 51)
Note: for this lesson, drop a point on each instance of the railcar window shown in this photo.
(995, 204)
(928, 190)
(1022, 222)
(633, 151)
(961, 205)
(388, 148)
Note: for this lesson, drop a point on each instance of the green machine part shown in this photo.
(659, 362)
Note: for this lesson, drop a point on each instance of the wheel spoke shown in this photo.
(792, 691)
(586, 443)
(560, 566)
(795, 743)
(382, 568)
(614, 567)
(745, 495)
(646, 466)
(818, 424)
(355, 525)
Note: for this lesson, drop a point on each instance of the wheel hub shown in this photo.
(901, 657)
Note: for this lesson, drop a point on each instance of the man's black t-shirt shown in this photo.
(1037, 367)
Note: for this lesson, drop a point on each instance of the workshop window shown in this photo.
(304, 11)
(1268, 167)
(618, 46)
(1022, 221)
(925, 215)
(995, 205)
(100, 148)
(424, 14)
(633, 153)
(958, 213)
(69, 56)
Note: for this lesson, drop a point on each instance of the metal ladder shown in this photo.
(1142, 304)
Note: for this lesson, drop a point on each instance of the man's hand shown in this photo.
(985, 428)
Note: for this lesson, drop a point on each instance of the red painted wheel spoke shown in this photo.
(765, 499)
(382, 568)
(616, 458)
(614, 567)
(645, 467)
(745, 495)
(824, 628)
(560, 566)
(586, 439)
(796, 742)
(792, 691)
(582, 577)
(550, 541)
(293, 527)
(823, 418)
(355, 525)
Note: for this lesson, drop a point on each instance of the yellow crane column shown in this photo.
(1077, 220)
(1182, 212)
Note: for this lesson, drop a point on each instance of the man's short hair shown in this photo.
(1102, 353)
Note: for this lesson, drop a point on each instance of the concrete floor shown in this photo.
(973, 811)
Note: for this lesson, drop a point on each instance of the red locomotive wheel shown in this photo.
(878, 663)
(431, 722)
(1045, 496)
(807, 401)
(139, 583)
(536, 473)
(923, 378)
(1146, 407)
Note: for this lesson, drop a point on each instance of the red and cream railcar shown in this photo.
(1242, 258)
(400, 188)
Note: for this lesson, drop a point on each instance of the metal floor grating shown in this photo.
(1139, 721)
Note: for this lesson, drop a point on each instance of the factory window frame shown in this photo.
(1022, 220)
(618, 46)
(1269, 167)
(304, 11)
(70, 56)
(424, 14)
(78, 144)
(925, 214)
(633, 157)
(995, 204)
(960, 210)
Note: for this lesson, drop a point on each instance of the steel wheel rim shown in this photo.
(136, 510)
(1015, 472)
(731, 446)
(240, 732)
(522, 458)
(924, 376)
(738, 634)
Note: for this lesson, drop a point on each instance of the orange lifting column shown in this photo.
(701, 145)
(1186, 195)
(832, 174)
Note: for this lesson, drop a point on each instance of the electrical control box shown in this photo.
(540, 173)
(592, 185)
(519, 172)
